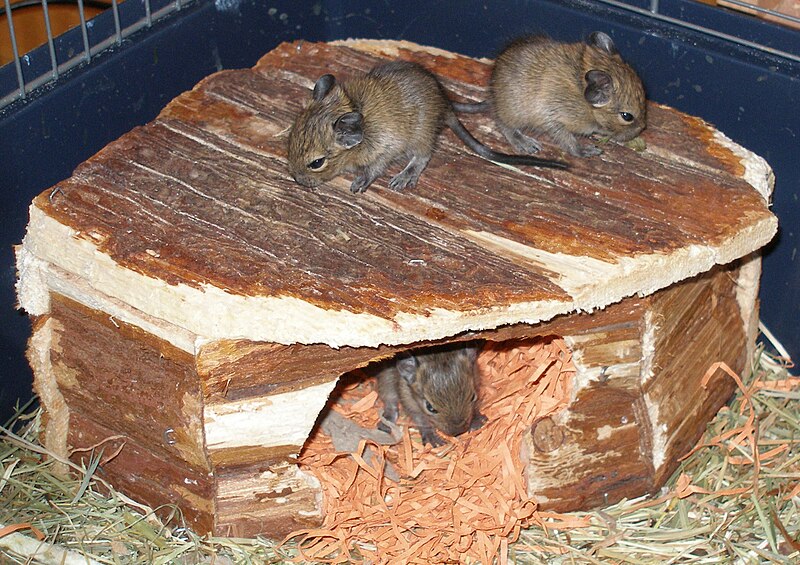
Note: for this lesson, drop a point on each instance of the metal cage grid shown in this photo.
(131, 16)
(128, 17)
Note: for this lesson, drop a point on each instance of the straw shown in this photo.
(705, 524)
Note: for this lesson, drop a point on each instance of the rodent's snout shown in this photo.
(457, 428)
(305, 180)
(628, 133)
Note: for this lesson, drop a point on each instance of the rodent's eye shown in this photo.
(429, 407)
(317, 164)
(627, 116)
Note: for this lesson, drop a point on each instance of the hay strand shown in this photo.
(715, 509)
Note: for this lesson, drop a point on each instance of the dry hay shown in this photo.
(735, 499)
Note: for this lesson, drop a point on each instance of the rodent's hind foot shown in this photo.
(521, 142)
(410, 174)
(402, 180)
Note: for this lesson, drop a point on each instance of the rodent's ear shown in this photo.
(602, 41)
(348, 130)
(407, 367)
(599, 87)
(323, 86)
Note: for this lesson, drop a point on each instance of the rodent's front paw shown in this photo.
(390, 413)
(359, 184)
(478, 421)
(431, 437)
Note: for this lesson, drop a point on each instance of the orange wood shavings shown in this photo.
(684, 488)
(783, 385)
(465, 500)
(4, 531)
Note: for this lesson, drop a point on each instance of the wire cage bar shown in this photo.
(151, 11)
(658, 11)
(765, 11)
(14, 50)
(124, 19)
(95, 39)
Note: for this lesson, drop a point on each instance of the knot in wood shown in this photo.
(547, 435)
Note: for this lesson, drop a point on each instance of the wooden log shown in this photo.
(228, 231)
(638, 403)
(591, 453)
(140, 471)
(134, 401)
(273, 497)
(194, 307)
(631, 418)
(127, 381)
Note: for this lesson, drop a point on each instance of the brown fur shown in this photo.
(443, 378)
(539, 85)
(403, 109)
(398, 110)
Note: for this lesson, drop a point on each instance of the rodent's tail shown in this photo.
(471, 107)
(464, 135)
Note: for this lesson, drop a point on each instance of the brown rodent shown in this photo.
(437, 387)
(363, 125)
(564, 90)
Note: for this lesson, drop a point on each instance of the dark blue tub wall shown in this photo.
(751, 96)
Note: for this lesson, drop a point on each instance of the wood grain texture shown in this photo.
(165, 483)
(128, 381)
(113, 391)
(596, 457)
(271, 496)
(237, 369)
(201, 198)
(698, 324)
(638, 400)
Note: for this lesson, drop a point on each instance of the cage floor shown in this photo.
(735, 498)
